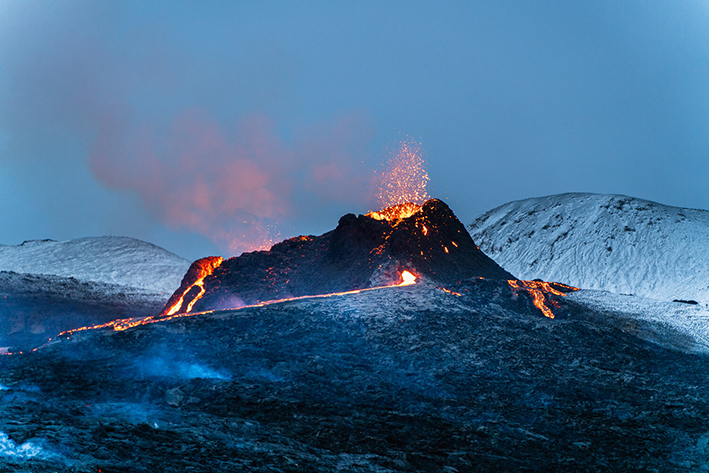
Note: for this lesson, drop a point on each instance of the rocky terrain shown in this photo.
(399, 379)
(462, 371)
(34, 308)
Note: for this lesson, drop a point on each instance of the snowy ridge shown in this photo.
(112, 260)
(608, 242)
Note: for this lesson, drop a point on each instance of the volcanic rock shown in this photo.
(399, 380)
(35, 307)
(363, 251)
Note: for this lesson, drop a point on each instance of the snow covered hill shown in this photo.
(609, 242)
(112, 260)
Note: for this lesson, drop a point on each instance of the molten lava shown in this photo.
(396, 212)
(406, 277)
(450, 292)
(403, 186)
(192, 286)
(538, 289)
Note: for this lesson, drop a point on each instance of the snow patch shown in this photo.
(687, 319)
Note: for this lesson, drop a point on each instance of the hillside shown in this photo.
(111, 260)
(609, 242)
(403, 379)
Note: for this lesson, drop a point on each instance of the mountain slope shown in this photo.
(361, 252)
(112, 260)
(610, 242)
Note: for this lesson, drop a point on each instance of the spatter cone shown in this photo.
(363, 251)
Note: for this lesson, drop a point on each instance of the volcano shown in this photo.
(363, 252)
(441, 375)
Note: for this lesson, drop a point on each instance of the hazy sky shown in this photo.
(191, 124)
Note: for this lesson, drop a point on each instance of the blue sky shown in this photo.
(192, 124)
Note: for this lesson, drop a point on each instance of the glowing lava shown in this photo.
(538, 289)
(396, 212)
(194, 278)
(407, 278)
(403, 186)
(450, 292)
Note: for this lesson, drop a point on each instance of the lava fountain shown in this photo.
(402, 189)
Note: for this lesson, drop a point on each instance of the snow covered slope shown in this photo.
(113, 260)
(610, 242)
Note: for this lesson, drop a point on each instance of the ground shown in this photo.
(399, 379)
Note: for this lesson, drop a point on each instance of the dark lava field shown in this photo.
(392, 380)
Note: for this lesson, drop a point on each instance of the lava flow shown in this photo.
(538, 289)
(194, 278)
(407, 279)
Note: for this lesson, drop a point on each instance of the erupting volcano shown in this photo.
(410, 238)
(363, 252)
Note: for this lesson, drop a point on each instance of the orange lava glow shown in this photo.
(407, 278)
(403, 186)
(450, 292)
(538, 289)
(199, 282)
(396, 212)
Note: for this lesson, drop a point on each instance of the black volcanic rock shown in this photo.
(406, 379)
(361, 252)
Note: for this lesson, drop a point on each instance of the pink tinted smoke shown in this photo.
(232, 187)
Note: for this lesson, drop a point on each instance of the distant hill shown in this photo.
(610, 242)
(112, 260)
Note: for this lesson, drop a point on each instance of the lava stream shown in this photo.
(407, 279)
(199, 270)
(537, 290)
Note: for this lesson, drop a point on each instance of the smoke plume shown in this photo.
(206, 138)
(240, 187)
